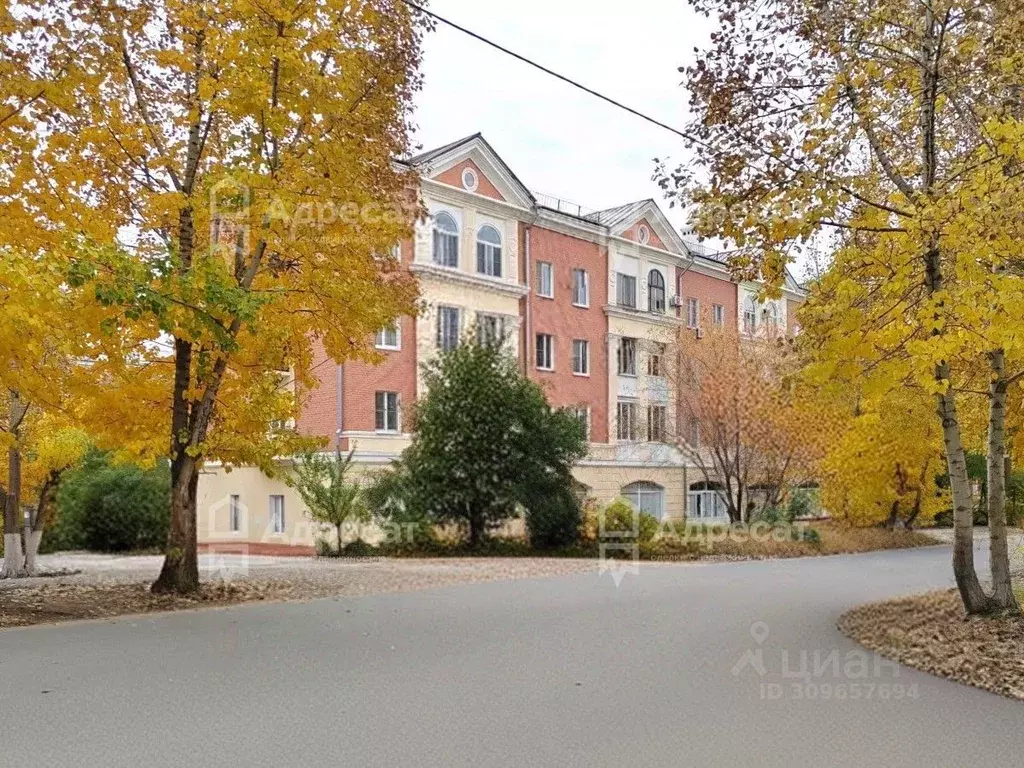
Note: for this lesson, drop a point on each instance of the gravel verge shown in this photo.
(931, 633)
(118, 592)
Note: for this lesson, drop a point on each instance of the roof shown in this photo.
(425, 157)
(620, 214)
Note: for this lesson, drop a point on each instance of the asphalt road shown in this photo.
(572, 671)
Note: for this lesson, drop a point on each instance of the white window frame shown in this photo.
(693, 433)
(437, 249)
(706, 504)
(657, 307)
(389, 405)
(580, 280)
(657, 422)
(442, 329)
(544, 351)
(645, 496)
(234, 513)
(749, 316)
(692, 312)
(622, 359)
(382, 339)
(626, 429)
(546, 279)
(622, 280)
(578, 346)
(277, 512)
(488, 254)
(718, 315)
(656, 361)
(582, 412)
(484, 335)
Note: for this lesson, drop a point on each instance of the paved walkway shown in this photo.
(679, 665)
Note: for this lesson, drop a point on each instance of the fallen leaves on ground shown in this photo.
(931, 633)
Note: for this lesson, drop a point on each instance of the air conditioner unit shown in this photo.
(677, 301)
(700, 333)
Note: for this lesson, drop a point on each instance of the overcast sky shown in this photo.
(557, 139)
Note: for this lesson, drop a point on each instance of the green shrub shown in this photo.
(112, 508)
(619, 516)
(553, 521)
(801, 504)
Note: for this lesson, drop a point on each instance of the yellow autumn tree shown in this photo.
(897, 123)
(222, 176)
(881, 467)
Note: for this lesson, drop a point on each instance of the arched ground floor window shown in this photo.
(646, 497)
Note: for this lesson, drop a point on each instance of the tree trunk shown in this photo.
(180, 572)
(974, 598)
(340, 546)
(999, 556)
(14, 559)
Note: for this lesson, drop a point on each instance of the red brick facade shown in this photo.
(566, 322)
(708, 291)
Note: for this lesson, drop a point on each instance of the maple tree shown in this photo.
(895, 123)
(220, 177)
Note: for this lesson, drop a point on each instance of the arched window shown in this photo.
(655, 291)
(771, 318)
(646, 497)
(446, 240)
(749, 315)
(488, 251)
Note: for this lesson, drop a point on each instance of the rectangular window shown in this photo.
(389, 338)
(545, 279)
(581, 357)
(386, 412)
(625, 290)
(749, 319)
(626, 421)
(694, 437)
(490, 329)
(718, 315)
(627, 356)
(447, 328)
(655, 361)
(692, 313)
(446, 248)
(582, 412)
(234, 514)
(656, 421)
(580, 288)
(545, 352)
(488, 259)
(277, 513)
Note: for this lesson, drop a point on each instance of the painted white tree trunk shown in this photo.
(14, 559)
(32, 540)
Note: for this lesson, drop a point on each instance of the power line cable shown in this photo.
(546, 70)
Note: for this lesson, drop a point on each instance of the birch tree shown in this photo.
(895, 120)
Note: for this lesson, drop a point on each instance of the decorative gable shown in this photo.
(471, 164)
(468, 176)
(642, 232)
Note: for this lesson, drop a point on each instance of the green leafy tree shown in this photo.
(331, 497)
(486, 443)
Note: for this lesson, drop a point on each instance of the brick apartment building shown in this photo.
(586, 300)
